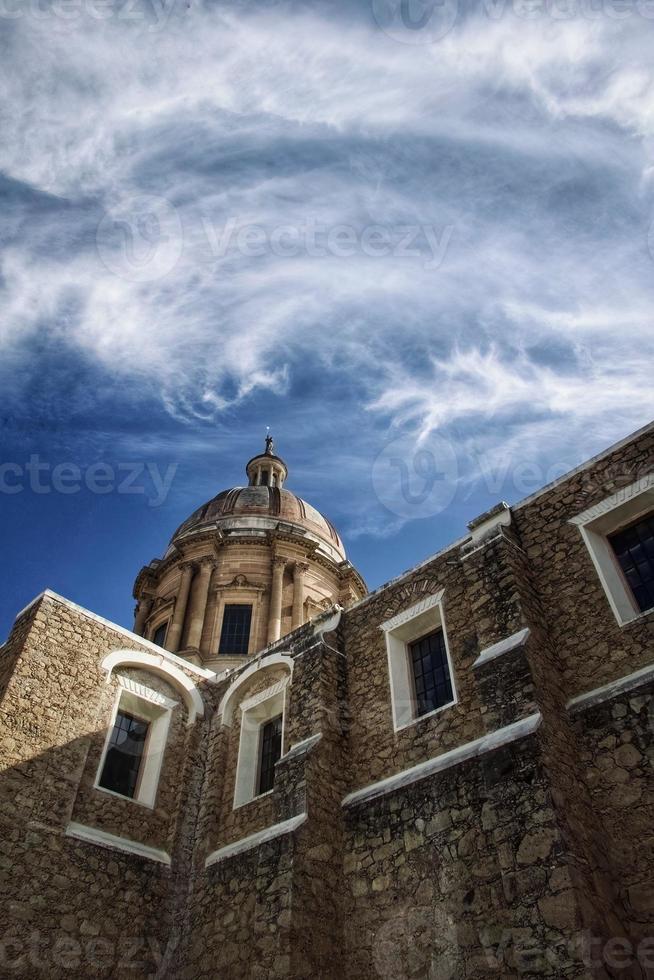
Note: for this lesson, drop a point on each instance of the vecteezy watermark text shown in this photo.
(142, 239)
(66, 15)
(41, 477)
(427, 21)
(418, 479)
(342, 241)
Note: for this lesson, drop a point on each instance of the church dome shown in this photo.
(263, 506)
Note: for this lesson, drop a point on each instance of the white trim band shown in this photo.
(227, 705)
(146, 693)
(463, 753)
(503, 646)
(159, 665)
(91, 835)
(412, 612)
(255, 840)
(262, 696)
(301, 747)
(612, 690)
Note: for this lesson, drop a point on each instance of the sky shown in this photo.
(413, 239)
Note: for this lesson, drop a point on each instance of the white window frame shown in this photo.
(419, 620)
(255, 712)
(156, 709)
(597, 523)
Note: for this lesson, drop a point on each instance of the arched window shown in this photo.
(136, 741)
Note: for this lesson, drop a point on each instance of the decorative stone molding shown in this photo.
(616, 500)
(269, 692)
(412, 612)
(240, 582)
(300, 748)
(159, 665)
(146, 693)
(255, 712)
(228, 702)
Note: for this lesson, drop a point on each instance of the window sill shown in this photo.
(637, 618)
(254, 799)
(125, 799)
(429, 714)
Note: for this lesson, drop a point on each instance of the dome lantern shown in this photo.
(267, 469)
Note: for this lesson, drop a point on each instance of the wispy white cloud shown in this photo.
(530, 142)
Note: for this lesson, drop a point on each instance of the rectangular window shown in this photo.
(159, 636)
(122, 763)
(269, 752)
(634, 549)
(235, 632)
(431, 673)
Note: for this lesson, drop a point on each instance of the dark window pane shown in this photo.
(431, 672)
(270, 750)
(235, 632)
(159, 636)
(634, 549)
(122, 763)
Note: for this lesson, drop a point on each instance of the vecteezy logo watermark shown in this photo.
(426, 21)
(316, 240)
(41, 477)
(141, 239)
(416, 480)
(418, 941)
(416, 21)
(44, 954)
(67, 15)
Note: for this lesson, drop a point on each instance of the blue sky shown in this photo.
(422, 255)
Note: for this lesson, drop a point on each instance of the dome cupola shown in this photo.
(247, 567)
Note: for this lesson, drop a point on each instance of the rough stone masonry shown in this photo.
(509, 832)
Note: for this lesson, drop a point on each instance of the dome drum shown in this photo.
(245, 568)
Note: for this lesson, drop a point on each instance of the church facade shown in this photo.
(279, 775)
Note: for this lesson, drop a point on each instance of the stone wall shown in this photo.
(71, 908)
(617, 739)
(463, 874)
(507, 835)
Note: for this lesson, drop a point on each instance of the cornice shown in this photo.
(182, 555)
